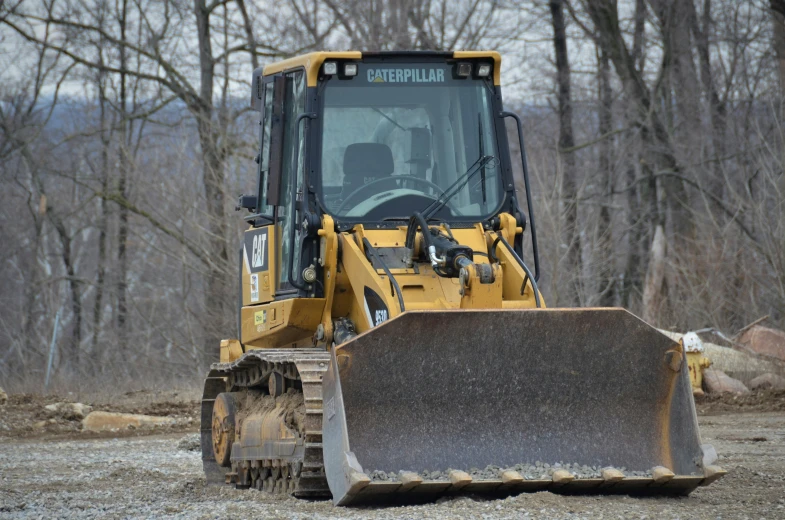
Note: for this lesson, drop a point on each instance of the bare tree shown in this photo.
(113, 197)
(154, 37)
(605, 243)
(416, 24)
(778, 19)
(569, 191)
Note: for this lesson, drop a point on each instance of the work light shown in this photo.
(483, 70)
(330, 68)
(464, 69)
(350, 69)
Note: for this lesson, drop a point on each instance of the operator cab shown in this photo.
(373, 139)
(398, 134)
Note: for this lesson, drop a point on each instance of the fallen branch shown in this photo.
(748, 327)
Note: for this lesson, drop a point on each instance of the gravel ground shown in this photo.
(160, 477)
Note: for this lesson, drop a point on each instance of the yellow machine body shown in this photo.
(294, 322)
(393, 344)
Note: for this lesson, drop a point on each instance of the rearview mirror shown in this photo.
(248, 202)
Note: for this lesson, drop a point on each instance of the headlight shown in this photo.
(464, 69)
(483, 70)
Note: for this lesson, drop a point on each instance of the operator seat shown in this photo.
(364, 163)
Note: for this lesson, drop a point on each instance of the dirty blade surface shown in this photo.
(467, 389)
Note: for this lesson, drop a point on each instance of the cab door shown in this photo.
(291, 181)
(259, 267)
(268, 248)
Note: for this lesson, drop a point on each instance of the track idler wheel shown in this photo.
(276, 384)
(224, 412)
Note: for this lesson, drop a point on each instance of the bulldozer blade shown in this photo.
(462, 389)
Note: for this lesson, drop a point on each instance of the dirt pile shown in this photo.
(33, 415)
(756, 401)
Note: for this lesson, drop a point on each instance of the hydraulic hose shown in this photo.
(520, 261)
(411, 231)
(417, 220)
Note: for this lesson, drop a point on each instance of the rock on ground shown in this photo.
(69, 411)
(766, 341)
(741, 364)
(718, 381)
(190, 442)
(43, 424)
(101, 421)
(765, 381)
(27, 414)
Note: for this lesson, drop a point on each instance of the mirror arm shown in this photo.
(532, 225)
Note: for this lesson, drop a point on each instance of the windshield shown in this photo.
(398, 136)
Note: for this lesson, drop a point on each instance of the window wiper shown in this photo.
(458, 185)
(388, 118)
(482, 154)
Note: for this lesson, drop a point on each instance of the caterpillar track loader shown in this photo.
(393, 344)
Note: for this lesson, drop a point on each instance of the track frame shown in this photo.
(304, 478)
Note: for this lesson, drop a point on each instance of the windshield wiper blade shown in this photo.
(482, 154)
(390, 119)
(457, 186)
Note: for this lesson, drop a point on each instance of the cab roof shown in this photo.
(311, 62)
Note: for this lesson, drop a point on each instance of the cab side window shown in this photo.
(293, 144)
(264, 163)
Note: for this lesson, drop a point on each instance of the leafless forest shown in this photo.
(654, 134)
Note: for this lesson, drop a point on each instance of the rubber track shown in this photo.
(307, 365)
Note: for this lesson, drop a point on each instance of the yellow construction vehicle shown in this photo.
(393, 344)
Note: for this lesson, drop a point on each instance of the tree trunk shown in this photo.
(684, 128)
(249, 35)
(605, 243)
(657, 150)
(32, 290)
(605, 17)
(399, 24)
(655, 278)
(716, 107)
(606, 21)
(217, 294)
(102, 220)
(122, 232)
(75, 290)
(636, 220)
(569, 193)
(639, 35)
(778, 15)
